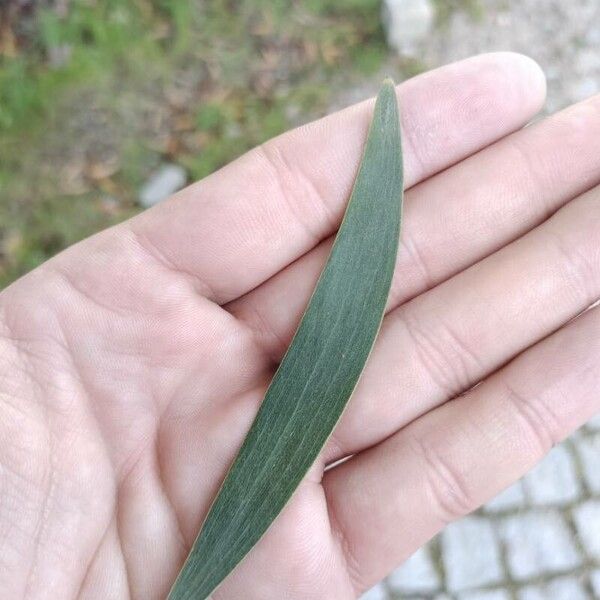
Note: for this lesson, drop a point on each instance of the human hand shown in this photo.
(132, 364)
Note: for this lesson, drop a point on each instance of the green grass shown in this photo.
(254, 67)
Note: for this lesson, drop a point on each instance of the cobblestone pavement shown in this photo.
(564, 37)
(537, 540)
(540, 539)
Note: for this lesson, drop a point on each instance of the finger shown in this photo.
(389, 500)
(236, 228)
(446, 340)
(455, 218)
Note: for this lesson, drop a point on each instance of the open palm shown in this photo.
(132, 364)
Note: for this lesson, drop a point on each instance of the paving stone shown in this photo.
(589, 452)
(565, 588)
(511, 498)
(595, 581)
(417, 575)
(471, 554)
(587, 521)
(538, 543)
(375, 593)
(486, 595)
(594, 423)
(553, 480)
(578, 434)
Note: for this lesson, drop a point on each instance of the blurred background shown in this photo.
(108, 106)
(106, 103)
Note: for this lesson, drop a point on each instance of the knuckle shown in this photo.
(301, 195)
(540, 426)
(446, 359)
(447, 486)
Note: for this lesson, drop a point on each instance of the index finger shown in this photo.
(241, 225)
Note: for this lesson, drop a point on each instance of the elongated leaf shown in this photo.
(320, 369)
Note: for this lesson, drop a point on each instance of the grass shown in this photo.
(92, 101)
(445, 8)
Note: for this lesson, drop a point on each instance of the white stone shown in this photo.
(416, 575)
(166, 181)
(587, 60)
(593, 36)
(538, 543)
(511, 498)
(587, 521)
(375, 593)
(486, 595)
(595, 581)
(553, 480)
(471, 554)
(566, 588)
(589, 452)
(407, 23)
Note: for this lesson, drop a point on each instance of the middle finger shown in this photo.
(448, 339)
(456, 218)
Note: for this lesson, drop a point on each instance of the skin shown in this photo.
(132, 364)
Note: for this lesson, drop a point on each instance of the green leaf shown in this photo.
(320, 369)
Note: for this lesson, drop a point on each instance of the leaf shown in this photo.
(320, 370)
